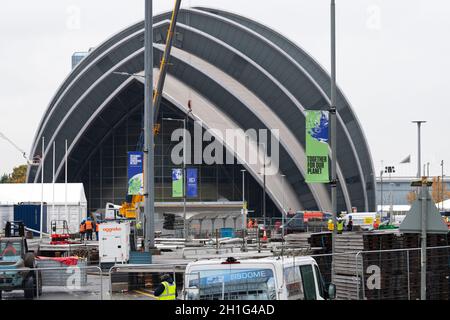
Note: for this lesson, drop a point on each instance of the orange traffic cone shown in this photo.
(264, 235)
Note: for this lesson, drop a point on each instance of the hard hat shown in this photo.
(165, 277)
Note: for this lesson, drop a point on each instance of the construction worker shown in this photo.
(82, 230)
(340, 225)
(350, 224)
(89, 226)
(97, 227)
(250, 224)
(330, 225)
(167, 290)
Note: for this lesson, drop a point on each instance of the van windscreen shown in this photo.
(231, 284)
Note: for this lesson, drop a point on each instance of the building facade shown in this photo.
(235, 74)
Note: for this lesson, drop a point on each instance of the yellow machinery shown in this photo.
(130, 210)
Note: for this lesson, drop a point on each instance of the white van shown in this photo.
(365, 220)
(273, 278)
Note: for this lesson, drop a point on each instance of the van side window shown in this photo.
(321, 282)
(293, 283)
(309, 284)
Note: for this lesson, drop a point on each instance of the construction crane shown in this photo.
(130, 209)
(165, 62)
(24, 154)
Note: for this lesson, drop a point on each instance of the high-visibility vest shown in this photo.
(340, 225)
(88, 225)
(82, 227)
(169, 291)
(97, 227)
(330, 225)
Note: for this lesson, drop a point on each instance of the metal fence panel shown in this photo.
(55, 283)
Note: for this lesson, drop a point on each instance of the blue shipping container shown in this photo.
(30, 215)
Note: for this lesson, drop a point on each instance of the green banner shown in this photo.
(317, 147)
(177, 183)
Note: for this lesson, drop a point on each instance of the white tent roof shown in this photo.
(14, 193)
(446, 204)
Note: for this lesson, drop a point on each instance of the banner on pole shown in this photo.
(177, 183)
(317, 146)
(192, 183)
(135, 173)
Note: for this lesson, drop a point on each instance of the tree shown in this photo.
(19, 175)
(4, 178)
(411, 197)
(439, 191)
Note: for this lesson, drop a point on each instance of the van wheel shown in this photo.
(28, 288)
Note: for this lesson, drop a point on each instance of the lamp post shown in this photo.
(283, 214)
(381, 191)
(442, 184)
(264, 183)
(333, 131)
(42, 188)
(244, 213)
(419, 124)
(149, 152)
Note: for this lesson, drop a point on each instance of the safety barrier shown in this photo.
(52, 283)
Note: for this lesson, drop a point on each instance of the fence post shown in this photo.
(407, 268)
(110, 282)
(357, 276)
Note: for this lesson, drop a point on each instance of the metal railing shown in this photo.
(68, 283)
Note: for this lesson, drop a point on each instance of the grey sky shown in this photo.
(393, 57)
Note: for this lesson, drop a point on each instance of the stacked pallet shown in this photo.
(298, 240)
(399, 271)
(438, 268)
(346, 276)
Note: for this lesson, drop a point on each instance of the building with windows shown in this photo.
(236, 74)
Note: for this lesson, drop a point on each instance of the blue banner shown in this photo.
(192, 182)
(135, 173)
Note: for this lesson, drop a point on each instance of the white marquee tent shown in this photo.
(15, 193)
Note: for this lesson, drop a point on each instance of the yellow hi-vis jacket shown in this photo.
(340, 225)
(330, 225)
(169, 291)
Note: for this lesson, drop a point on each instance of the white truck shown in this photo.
(273, 278)
(114, 242)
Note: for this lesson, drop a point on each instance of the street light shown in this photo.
(419, 123)
(185, 231)
(244, 209)
(264, 184)
(283, 214)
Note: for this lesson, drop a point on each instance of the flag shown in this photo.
(406, 160)
(177, 183)
(317, 147)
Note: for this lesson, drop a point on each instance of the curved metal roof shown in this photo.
(249, 74)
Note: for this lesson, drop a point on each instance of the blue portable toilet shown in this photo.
(30, 215)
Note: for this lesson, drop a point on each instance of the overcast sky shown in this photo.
(393, 62)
